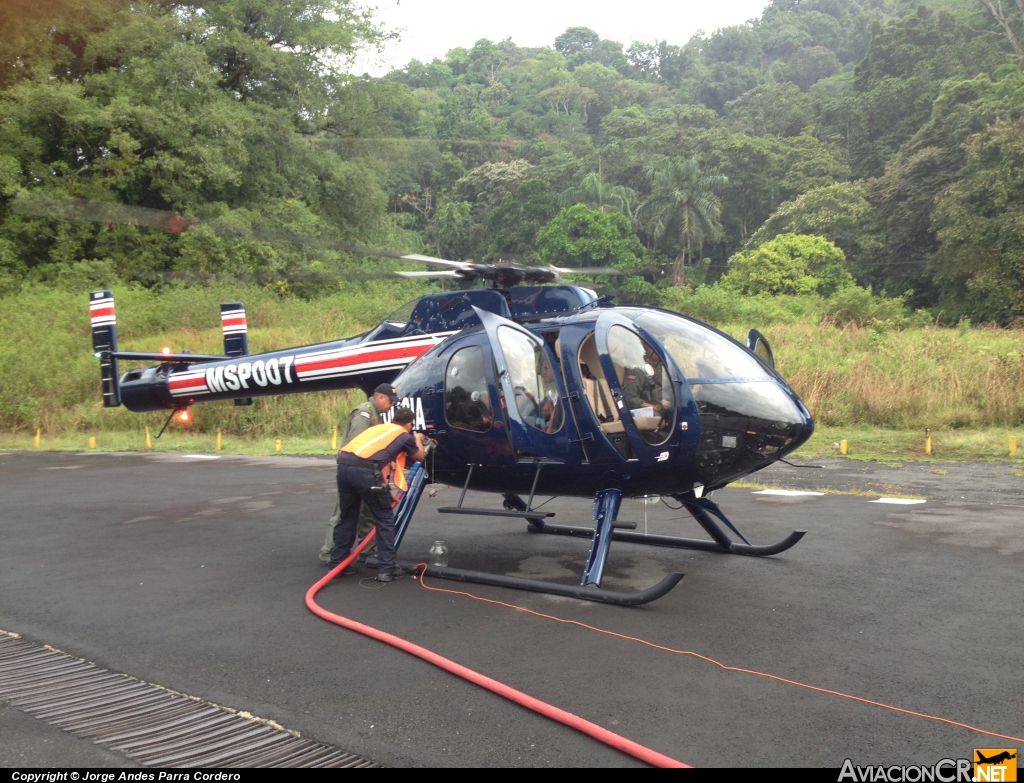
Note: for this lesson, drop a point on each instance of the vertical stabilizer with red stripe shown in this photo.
(104, 338)
(236, 335)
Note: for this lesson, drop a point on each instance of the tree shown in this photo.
(789, 264)
(576, 45)
(839, 213)
(215, 109)
(1010, 23)
(597, 194)
(41, 37)
(569, 95)
(770, 109)
(582, 237)
(487, 184)
(979, 222)
(934, 159)
(903, 73)
(514, 224)
(683, 207)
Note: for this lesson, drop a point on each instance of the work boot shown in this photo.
(390, 575)
(347, 572)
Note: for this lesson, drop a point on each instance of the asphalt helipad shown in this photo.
(190, 573)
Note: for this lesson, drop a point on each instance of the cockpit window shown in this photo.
(700, 352)
(467, 401)
(402, 315)
(533, 381)
(646, 387)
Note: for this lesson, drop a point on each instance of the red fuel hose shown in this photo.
(573, 721)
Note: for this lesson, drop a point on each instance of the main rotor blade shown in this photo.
(46, 205)
(586, 270)
(419, 275)
(49, 206)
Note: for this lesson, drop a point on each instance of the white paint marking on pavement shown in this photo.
(64, 467)
(200, 456)
(899, 501)
(789, 493)
(138, 519)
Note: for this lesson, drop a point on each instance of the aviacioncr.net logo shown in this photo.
(943, 771)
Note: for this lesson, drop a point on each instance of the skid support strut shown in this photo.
(606, 509)
(703, 510)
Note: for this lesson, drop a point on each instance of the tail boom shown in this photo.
(345, 364)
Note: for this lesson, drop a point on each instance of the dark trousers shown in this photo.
(354, 484)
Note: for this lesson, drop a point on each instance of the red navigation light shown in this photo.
(166, 350)
(183, 416)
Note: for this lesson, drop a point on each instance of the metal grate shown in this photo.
(153, 726)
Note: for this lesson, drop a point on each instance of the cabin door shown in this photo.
(644, 388)
(533, 397)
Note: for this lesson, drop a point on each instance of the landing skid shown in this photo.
(584, 593)
(677, 542)
(606, 509)
(702, 509)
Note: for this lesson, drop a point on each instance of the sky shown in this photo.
(429, 28)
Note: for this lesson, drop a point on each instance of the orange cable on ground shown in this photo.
(573, 721)
(718, 663)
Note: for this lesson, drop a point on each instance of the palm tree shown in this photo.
(683, 205)
(597, 194)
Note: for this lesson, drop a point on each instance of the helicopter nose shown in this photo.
(746, 426)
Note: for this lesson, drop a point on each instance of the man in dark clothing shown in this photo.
(361, 418)
(360, 478)
(644, 387)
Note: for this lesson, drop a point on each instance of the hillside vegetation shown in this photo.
(848, 172)
(848, 374)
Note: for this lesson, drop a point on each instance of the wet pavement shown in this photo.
(190, 573)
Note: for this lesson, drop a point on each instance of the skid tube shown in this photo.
(590, 590)
(588, 593)
(702, 510)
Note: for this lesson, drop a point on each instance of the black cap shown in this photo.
(388, 391)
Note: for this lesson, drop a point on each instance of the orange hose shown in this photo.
(573, 721)
(722, 665)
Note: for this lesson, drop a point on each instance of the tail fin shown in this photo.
(104, 338)
(236, 335)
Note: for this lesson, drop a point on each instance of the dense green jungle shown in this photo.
(848, 174)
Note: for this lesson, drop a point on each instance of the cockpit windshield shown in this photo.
(747, 418)
(700, 352)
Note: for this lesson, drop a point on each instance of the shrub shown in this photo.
(859, 306)
(716, 304)
(789, 264)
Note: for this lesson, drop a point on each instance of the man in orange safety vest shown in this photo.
(361, 463)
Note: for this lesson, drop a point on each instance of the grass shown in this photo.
(875, 386)
(885, 445)
(864, 443)
(170, 442)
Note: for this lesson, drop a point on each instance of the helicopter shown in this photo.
(527, 387)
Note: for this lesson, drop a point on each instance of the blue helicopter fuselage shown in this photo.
(637, 398)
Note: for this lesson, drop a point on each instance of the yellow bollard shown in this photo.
(218, 439)
(149, 443)
(92, 442)
(334, 439)
(39, 435)
(927, 440)
(277, 445)
(842, 447)
(1013, 445)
